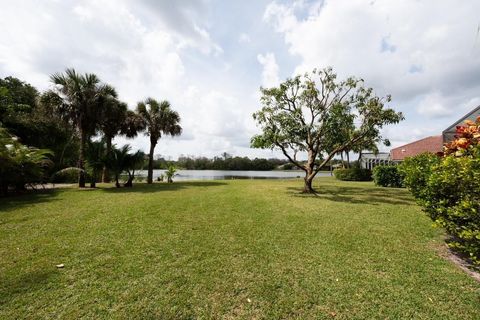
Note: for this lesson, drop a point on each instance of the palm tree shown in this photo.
(20, 164)
(170, 173)
(158, 119)
(96, 160)
(121, 160)
(134, 161)
(81, 96)
(114, 113)
(117, 162)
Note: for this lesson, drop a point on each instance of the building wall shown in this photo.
(432, 144)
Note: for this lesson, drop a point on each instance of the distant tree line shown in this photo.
(228, 162)
(221, 163)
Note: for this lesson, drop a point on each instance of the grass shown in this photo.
(229, 249)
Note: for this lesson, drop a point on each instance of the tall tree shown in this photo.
(24, 114)
(159, 119)
(81, 96)
(95, 160)
(114, 113)
(300, 115)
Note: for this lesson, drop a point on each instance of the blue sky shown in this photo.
(209, 57)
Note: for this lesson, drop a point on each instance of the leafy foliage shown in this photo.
(449, 188)
(20, 164)
(34, 124)
(170, 173)
(467, 140)
(65, 175)
(121, 160)
(416, 171)
(317, 114)
(353, 174)
(80, 99)
(96, 160)
(387, 176)
(158, 119)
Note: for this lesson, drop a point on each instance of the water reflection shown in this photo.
(229, 174)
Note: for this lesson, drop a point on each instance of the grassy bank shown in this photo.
(227, 249)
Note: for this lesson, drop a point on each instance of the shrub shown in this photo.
(387, 176)
(20, 164)
(67, 175)
(453, 202)
(353, 174)
(449, 188)
(416, 171)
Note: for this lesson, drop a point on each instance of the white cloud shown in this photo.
(433, 105)
(202, 55)
(422, 52)
(244, 38)
(270, 69)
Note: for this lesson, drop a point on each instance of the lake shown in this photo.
(230, 174)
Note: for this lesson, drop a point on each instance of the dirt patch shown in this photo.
(459, 260)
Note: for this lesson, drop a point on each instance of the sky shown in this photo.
(210, 57)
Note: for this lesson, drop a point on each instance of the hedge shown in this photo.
(353, 174)
(449, 190)
(387, 176)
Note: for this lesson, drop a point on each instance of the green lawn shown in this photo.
(229, 249)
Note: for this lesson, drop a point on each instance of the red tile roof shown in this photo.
(432, 144)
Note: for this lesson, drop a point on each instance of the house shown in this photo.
(449, 133)
(369, 160)
(433, 144)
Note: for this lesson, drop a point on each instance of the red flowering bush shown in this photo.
(466, 141)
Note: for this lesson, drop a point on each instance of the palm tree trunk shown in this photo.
(81, 160)
(348, 159)
(108, 150)
(150, 162)
(129, 182)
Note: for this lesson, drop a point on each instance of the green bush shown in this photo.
(449, 191)
(353, 174)
(20, 164)
(416, 171)
(67, 175)
(387, 176)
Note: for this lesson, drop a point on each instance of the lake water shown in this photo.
(229, 174)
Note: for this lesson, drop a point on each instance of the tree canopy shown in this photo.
(317, 114)
(158, 119)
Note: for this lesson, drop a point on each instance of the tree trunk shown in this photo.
(309, 173)
(108, 150)
(129, 182)
(150, 163)
(308, 185)
(341, 157)
(81, 160)
(348, 159)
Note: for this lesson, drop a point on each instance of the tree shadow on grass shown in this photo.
(14, 201)
(25, 284)
(358, 194)
(159, 187)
